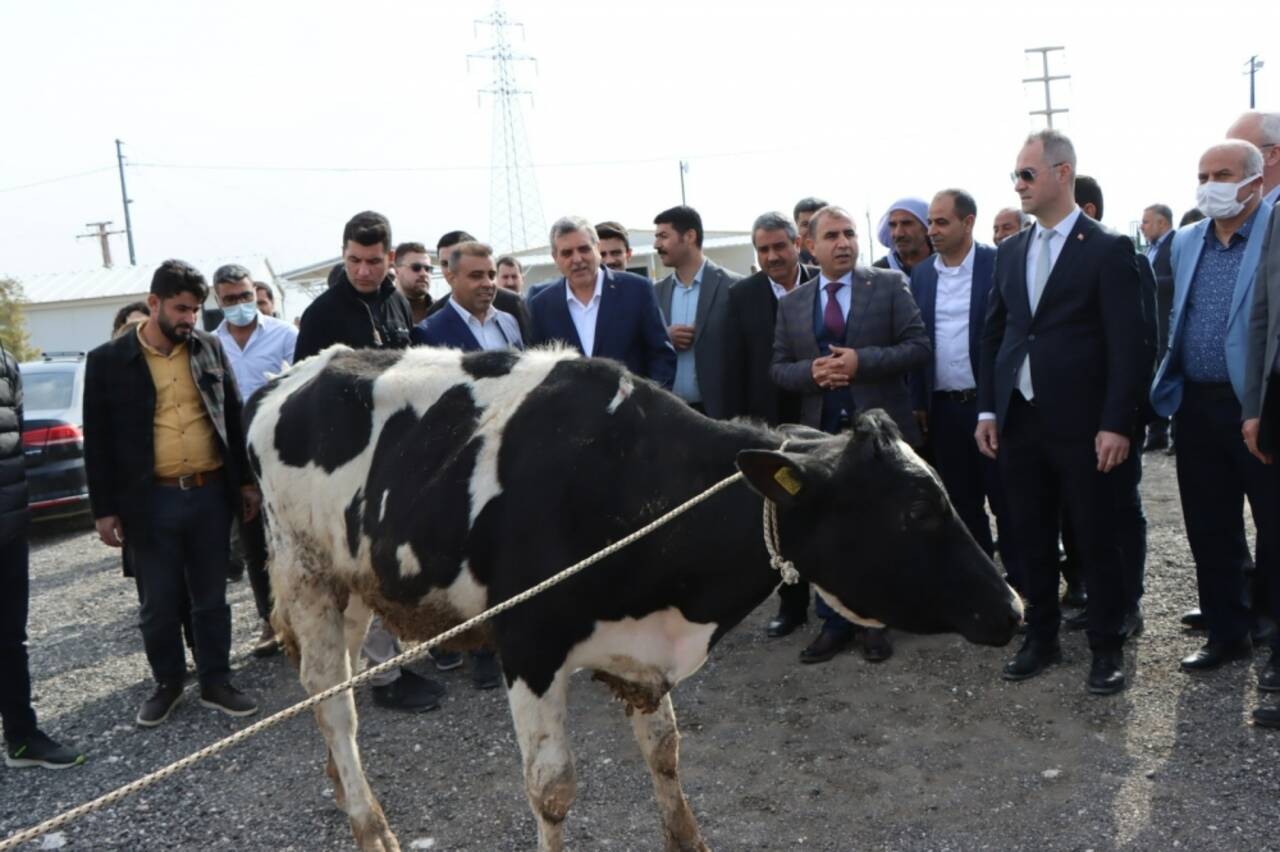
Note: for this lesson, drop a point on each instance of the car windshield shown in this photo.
(48, 391)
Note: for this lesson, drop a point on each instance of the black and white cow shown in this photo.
(426, 484)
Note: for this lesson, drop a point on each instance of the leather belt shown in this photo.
(191, 480)
(968, 395)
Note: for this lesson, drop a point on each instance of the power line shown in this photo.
(58, 179)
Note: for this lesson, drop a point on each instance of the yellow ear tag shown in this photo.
(784, 477)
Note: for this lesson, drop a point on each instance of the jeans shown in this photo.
(188, 539)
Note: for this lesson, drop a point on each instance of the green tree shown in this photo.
(13, 323)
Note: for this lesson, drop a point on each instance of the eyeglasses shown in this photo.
(420, 267)
(1028, 175)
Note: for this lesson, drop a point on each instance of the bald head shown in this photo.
(1245, 159)
(1262, 129)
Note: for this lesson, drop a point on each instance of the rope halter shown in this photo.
(779, 563)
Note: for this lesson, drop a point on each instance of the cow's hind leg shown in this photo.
(318, 624)
(548, 764)
(659, 741)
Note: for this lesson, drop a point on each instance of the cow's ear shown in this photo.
(776, 476)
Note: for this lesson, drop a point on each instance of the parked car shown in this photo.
(53, 434)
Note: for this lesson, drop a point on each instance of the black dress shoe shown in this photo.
(410, 692)
(1216, 654)
(1267, 717)
(827, 645)
(1263, 629)
(1077, 620)
(1269, 680)
(1032, 658)
(1075, 596)
(1193, 619)
(485, 671)
(1106, 675)
(785, 623)
(1132, 626)
(875, 645)
(1156, 441)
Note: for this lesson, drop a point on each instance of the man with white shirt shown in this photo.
(471, 323)
(257, 346)
(1060, 385)
(598, 311)
(952, 291)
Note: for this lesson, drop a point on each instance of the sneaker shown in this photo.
(410, 692)
(161, 703)
(267, 645)
(228, 699)
(447, 661)
(485, 672)
(39, 750)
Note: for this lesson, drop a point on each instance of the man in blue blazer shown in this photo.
(601, 312)
(951, 290)
(1202, 383)
(471, 322)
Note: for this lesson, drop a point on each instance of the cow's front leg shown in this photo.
(659, 741)
(548, 764)
(317, 624)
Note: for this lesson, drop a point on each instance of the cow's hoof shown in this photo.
(373, 834)
(694, 845)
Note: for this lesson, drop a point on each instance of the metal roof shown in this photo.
(101, 283)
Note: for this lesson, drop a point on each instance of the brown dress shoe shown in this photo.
(827, 645)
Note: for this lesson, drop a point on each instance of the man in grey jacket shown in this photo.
(846, 341)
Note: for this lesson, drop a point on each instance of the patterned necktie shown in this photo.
(832, 316)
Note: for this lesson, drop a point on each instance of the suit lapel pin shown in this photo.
(1080, 237)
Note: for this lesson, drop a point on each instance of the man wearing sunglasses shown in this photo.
(1059, 389)
(413, 277)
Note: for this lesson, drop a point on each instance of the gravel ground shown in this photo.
(928, 751)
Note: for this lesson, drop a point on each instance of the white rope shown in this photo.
(27, 835)
(780, 563)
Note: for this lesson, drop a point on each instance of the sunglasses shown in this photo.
(1028, 175)
(420, 267)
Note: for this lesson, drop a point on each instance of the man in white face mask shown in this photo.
(1202, 383)
(257, 346)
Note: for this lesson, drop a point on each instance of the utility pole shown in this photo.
(684, 169)
(1254, 64)
(124, 197)
(101, 235)
(1048, 112)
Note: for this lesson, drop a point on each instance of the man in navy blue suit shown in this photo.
(951, 290)
(601, 312)
(471, 322)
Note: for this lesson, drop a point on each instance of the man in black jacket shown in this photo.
(25, 744)
(363, 308)
(749, 391)
(1157, 230)
(503, 300)
(165, 459)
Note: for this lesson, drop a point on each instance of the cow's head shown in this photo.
(869, 523)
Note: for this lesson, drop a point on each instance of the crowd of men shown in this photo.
(1031, 374)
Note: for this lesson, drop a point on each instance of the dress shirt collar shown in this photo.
(1241, 233)
(697, 276)
(846, 279)
(595, 297)
(778, 290)
(965, 266)
(470, 318)
(1063, 228)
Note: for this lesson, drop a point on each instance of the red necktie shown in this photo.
(832, 316)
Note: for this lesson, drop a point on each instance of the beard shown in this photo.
(179, 333)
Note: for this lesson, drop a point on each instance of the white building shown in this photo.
(73, 311)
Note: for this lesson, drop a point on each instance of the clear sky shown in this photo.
(856, 102)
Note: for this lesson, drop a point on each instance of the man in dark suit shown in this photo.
(505, 300)
(846, 342)
(1261, 412)
(472, 322)
(951, 291)
(694, 300)
(749, 391)
(1157, 230)
(165, 459)
(600, 312)
(1059, 388)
